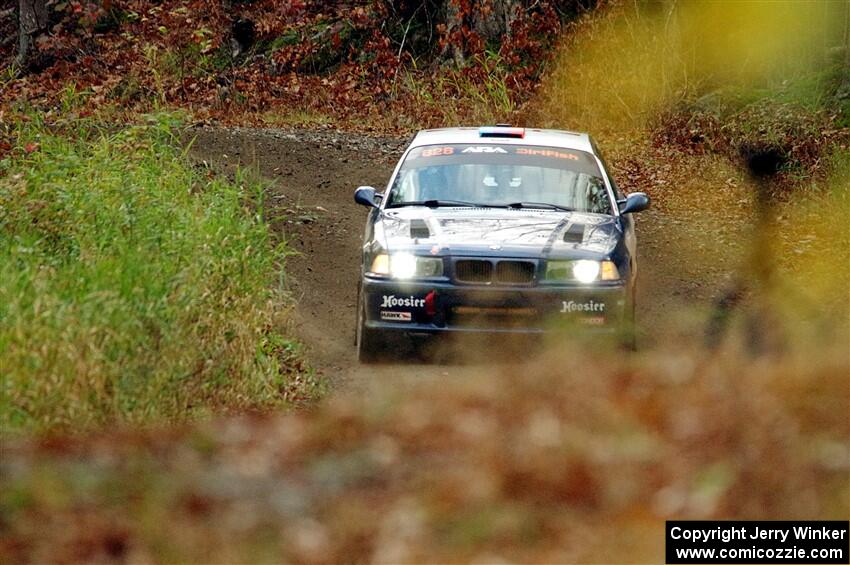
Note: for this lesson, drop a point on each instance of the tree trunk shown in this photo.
(454, 21)
(32, 20)
(495, 22)
(490, 19)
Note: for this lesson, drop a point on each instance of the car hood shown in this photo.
(498, 231)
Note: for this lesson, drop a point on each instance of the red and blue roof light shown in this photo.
(501, 131)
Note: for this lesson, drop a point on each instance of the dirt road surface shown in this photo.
(312, 176)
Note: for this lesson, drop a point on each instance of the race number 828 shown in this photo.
(437, 151)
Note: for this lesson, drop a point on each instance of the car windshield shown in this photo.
(500, 175)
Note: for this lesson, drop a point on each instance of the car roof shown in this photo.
(533, 136)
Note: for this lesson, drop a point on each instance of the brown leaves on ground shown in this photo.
(370, 63)
(803, 139)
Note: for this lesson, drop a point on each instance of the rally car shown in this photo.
(496, 230)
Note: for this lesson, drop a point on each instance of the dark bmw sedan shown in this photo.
(496, 230)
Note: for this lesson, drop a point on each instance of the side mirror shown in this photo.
(634, 202)
(365, 196)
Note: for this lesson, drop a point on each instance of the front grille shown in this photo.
(482, 271)
(474, 271)
(515, 272)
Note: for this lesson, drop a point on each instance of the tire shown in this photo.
(369, 344)
(628, 337)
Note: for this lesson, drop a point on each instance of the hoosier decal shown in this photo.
(391, 301)
(568, 307)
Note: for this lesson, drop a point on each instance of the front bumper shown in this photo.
(421, 307)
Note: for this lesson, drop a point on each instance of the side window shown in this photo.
(618, 194)
(597, 197)
(406, 189)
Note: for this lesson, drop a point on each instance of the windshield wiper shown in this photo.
(543, 205)
(439, 203)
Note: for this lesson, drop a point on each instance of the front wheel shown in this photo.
(368, 342)
(628, 333)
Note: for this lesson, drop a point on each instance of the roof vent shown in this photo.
(501, 130)
(419, 229)
(574, 233)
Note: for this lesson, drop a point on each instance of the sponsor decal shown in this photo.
(392, 301)
(484, 149)
(568, 307)
(547, 153)
(396, 316)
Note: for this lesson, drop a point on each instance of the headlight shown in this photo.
(583, 271)
(406, 266)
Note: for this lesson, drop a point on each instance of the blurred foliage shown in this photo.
(709, 76)
(584, 449)
(133, 288)
(624, 65)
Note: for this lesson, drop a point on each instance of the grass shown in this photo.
(133, 288)
(454, 96)
(299, 118)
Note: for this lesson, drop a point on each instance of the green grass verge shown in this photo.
(134, 288)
